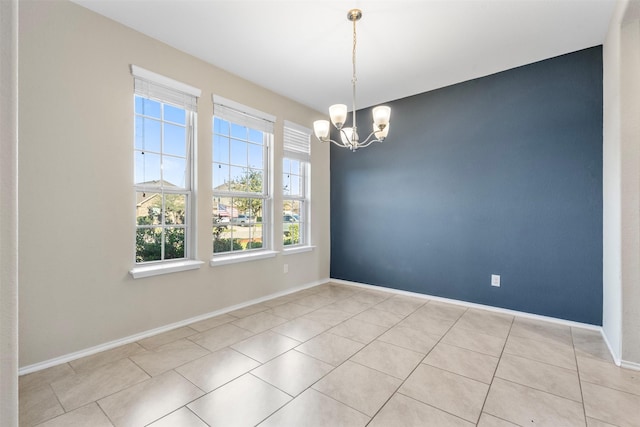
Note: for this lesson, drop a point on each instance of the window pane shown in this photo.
(238, 153)
(147, 107)
(238, 131)
(256, 136)
(295, 166)
(220, 149)
(239, 179)
(174, 171)
(175, 138)
(286, 184)
(148, 244)
(174, 114)
(220, 126)
(148, 208)
(295, 185)
(286, 165)
(174, 243)
(220, 177)
(255, 156)
(147, 167)
(147, 134)
(174, 205)
(255, 237)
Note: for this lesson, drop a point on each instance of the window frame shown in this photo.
(167, 92)
(297, 146)
(238, 114)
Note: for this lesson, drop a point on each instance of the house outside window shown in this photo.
(295, 185)
(164, 115)
(241, 208)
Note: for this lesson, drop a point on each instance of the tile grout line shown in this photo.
(496, 370)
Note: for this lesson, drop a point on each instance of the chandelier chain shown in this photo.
(354, 79)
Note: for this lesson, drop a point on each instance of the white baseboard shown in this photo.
(630, 365)
(614, 354)
(146, 334)
(473, 305)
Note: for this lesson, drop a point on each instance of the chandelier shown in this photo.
(349, 137)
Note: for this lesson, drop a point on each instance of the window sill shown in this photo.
(164, 268)
(232, 259)
(297, 250)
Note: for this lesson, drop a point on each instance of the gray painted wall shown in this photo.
(498, 175)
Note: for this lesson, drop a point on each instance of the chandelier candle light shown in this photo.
(349, 135)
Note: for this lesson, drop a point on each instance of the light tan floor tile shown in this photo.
(388, 358)
(315, 301)
(149, 400)
(358, 330)
(38, 404)
(330, 348)
(259, 322)
(329, 317)
(371, 297)
(87, 416)
(609, 375)
(183, 417)
(592, 422)
(444, 390)
(80, 389)
(212, 322)
(216, 369)
(487, 420)
(292, 372)
(300, 329)
(461, 361)
(94, 361)
(351, 305)
(410, 338)
(443, 310)
(275, 302)
(249, 310)
(475, 341)
(168, 356)
(541, 330)
(290, 310)
(612, 406)
(221, 336)
(424, 322)
(401, 305)
(245, 401)
(336, 291)
(314, 409)
(525, 406)
(44, 377)
(379, 317)
(543, 351)
(265, 346)
(404, 411)
(167, 337)
(359, 387)
(590, 344)
(541, 376)
(485, 322)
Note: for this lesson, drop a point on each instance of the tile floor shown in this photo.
(338, 355)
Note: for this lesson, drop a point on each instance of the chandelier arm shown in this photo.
(368, 141)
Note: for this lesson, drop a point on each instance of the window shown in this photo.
(295, 185)
(165, 112)
(241, 203)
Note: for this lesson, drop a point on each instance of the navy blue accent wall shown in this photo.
(498, 175)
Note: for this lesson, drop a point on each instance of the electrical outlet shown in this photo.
(286, 268)
(495, 280)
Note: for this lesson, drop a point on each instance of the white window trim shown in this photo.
(267, 128)
(233, 258)
(161, 86)
(305, 158)
(297, 249)
(164, 267)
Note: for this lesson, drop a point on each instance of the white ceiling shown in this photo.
(302, 49)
